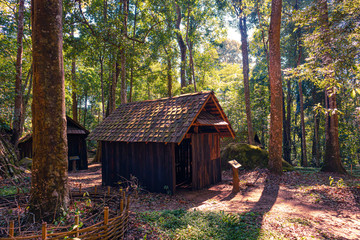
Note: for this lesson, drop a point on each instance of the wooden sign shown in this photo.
(234, 164)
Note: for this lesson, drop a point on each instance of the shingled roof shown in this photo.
(163, 120)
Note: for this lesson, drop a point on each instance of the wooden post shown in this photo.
(235, 165)
(80, 188)
(128, 202)
(11, 229)
(43, 231)
(95, 189)
(108, 191)
(121, 205)
(77, 225)
(124, 195)
(106, 215)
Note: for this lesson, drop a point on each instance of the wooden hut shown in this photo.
(77, 153)
(164, 143)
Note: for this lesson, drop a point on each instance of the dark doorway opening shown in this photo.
(183, 164)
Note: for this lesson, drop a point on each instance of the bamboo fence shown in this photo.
(109, 228)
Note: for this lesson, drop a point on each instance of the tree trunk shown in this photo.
(332, 161)
(73, 93)
(182, 47)
(18, 107)
(85, 109)
(49, 194)
(123, 55)
(316, 142)
(245, 60)
(112, 97)
(287, 125)
(275, 141)
(304, 161)
(101, 59)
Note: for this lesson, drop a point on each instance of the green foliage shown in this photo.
(181, 224)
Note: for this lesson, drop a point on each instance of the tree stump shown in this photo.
(235, 165)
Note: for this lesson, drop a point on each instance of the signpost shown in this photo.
(235, 165)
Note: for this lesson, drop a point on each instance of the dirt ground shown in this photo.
(296, 205)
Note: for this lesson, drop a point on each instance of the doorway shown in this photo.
(183, 164)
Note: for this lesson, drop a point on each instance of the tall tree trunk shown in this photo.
(304, 161)
(168, 72)
(28, 86)
(101, 59)
(18, 107)
(275, 141)
(73, 93)
(332, 160)
(112, 97)
(49, 194)
(287, 125)
(85, 109)
(123, 54)
(182, 47)
(245, 60)
(316, 141)
(132, 56)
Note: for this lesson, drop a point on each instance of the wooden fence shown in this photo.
(109, 228)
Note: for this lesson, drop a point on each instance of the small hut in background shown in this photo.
(164, 143)
(77, 152)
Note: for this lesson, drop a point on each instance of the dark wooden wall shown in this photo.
(153, 164)
(25, 149)
(206, 164)
(77, 147)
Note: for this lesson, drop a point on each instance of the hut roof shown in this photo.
(72, 128)
(163, 120)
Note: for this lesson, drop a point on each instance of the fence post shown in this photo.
(95, 189)
(80, 188)
(128, 202)
(77, 225)
(108, 191)
(43, 231)
(106, 215)
(121, 205)
(11, 229)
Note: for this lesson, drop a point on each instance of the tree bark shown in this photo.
(101, 59)
(304, 161)
(316, 142)
(275, 141)
(49, 194)
(245, 60)
(73, 93)
(332, 160)
(182, 47)
(287, 125)
(123, 54)
(18, 107)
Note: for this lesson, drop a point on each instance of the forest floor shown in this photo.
(298, 205)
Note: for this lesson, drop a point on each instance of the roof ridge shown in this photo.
(174, 97)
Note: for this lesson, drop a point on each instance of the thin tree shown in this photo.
(182, 46)
(239, 9)
(276, 99)
(18, 108)
(49, 194)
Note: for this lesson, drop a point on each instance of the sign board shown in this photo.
(74, 158)
(234, 164)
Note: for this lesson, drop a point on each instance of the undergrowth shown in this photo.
(182, 224)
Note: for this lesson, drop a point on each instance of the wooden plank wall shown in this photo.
(153, 164)
(206, 159)
(77, 147)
